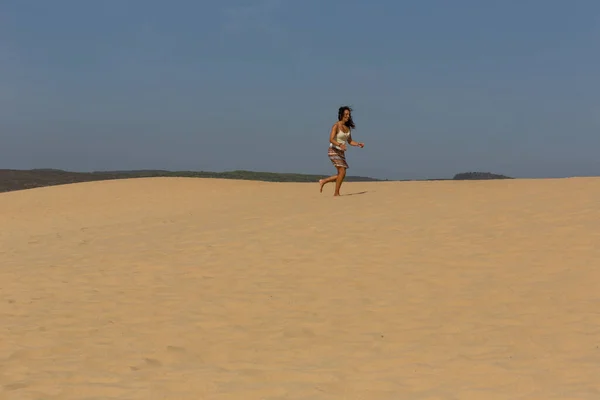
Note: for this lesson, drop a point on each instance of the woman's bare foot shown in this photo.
(325, 181)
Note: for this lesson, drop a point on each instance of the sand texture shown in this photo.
(174, 288)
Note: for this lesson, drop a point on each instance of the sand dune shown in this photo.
(175, 288)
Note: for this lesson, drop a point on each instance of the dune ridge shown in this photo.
(187, 288)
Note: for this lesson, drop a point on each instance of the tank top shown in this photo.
(340, 137)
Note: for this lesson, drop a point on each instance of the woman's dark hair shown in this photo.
(341, 111)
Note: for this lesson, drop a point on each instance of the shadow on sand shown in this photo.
(354, 194)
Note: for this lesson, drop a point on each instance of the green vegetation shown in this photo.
(463, 176)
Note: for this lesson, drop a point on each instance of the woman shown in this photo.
(341, 133)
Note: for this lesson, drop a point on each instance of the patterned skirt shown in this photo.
(337, 157)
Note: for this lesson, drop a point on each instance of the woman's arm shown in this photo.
(353, 143)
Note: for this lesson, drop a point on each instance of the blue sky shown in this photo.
(438, 87)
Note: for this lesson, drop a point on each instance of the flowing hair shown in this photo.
(350, 122)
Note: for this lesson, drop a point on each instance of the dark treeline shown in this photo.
(463, 176)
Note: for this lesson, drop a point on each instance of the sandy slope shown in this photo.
(192, 289)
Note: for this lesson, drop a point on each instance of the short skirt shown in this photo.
(337, 157)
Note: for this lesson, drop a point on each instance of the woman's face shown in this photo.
(346, 116)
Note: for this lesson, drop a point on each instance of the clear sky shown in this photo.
(438, 87)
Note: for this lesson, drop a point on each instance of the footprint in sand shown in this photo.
(16, 386)
(173, 355)
(148, 363)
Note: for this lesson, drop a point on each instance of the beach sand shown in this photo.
(175, 288)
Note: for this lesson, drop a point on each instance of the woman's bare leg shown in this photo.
(322, 182)
(339, 179)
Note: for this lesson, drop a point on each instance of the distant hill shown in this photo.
(478, 176)
(11, 180)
